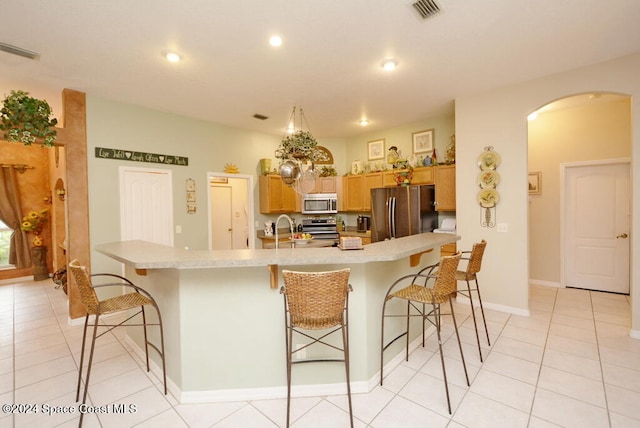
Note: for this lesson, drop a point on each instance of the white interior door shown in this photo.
(146, 205)
(230, 211)
(221, 220)
(596, 224)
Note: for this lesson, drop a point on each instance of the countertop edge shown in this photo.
(148, 255)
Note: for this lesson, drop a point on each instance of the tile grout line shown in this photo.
(604, 386)
(544, 350)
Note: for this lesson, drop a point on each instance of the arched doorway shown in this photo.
(591, 127)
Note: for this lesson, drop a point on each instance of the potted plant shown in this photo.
(34, 222)
(300, 145)
(26, 119)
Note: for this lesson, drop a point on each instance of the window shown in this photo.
(5, 237)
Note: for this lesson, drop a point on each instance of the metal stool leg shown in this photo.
(86, 381)
(475, 323)
(484, 319)
(438, 322)
(84, 340)
(455, 326)
(345, 347)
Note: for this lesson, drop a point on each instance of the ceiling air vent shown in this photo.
(18, 51)
(427, 8)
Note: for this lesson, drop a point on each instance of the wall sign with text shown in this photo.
(130, 155)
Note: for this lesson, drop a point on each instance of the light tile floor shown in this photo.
(570, 364)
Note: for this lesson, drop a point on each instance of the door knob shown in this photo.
(624, 235)
(229, 230)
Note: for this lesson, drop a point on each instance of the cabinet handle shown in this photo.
(624, 236)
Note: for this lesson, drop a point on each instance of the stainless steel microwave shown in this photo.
(319, 203)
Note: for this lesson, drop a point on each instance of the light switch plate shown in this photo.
(503, 227)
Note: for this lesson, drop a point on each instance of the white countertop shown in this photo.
(147, 255)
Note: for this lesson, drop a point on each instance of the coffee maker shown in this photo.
(364, 223)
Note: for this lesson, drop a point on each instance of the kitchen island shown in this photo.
(224, 323)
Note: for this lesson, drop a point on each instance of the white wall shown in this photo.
(208, 146)
(499, 119)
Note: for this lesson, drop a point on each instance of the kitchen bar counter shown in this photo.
(224, 326)
(147, 255)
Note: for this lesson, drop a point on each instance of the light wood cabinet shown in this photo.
(277, 197)
(370, 181)
(357, 191)
(421, 175)
(445, 187)
(352, 193)
(448, 249)
(325, 185)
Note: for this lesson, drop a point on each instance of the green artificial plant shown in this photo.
(300, 145)
(25, 119)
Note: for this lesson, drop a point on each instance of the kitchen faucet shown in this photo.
(290, 226)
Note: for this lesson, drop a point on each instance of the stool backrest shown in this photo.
(316, 300)
(475, 260)
(88, 295)
(446, 282)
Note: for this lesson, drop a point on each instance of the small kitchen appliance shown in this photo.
(364, 223)
(319, 203)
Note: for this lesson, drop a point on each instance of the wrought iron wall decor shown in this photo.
(488, 179)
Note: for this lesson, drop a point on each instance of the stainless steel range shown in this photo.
(321, 228)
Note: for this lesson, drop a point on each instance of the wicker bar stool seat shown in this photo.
(474, 264)
(316, 301)
(137, 299)
(426, 302)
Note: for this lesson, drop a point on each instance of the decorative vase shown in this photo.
(40, 270)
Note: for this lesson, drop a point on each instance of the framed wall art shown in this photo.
(423, 141)
(535, 183)
(376, 149)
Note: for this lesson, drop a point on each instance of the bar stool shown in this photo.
(418, 293)
(136, 299)
(474, 263)
(316, 301)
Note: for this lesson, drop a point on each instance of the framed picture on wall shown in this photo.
(376, 149)
(535, 183)
(423, 141)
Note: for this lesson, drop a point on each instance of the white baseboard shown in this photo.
(493, 306)
(247, 394)
(155, 368)
(545, 283)
(634, 334)
(14, 280)
(507, 309)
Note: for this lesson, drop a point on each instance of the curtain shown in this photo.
(10, 214)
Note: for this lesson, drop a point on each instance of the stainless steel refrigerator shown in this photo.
(402, 211)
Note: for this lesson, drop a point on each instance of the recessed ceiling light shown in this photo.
(363, 122)
(389, 64)
(172, 56)
(275, 41)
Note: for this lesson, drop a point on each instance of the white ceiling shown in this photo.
(329, 62)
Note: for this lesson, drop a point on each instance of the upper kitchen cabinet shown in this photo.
(357, 191)
(325, 185)
(421, 175)
(277, 197)
(445, 186)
